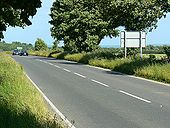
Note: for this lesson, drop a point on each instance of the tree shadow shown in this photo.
(70, 63)
(115, 73)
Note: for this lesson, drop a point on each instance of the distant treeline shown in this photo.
(11, 46)
(151, 49)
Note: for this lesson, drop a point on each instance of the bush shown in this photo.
(74, 57)
(167, 51)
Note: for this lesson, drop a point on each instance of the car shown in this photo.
(15, 52)
(23, 53)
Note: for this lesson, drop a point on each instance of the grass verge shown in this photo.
(21, 105)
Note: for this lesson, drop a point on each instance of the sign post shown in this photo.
(140, 43)
(125, 44)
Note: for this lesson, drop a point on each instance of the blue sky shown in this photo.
(41, 29)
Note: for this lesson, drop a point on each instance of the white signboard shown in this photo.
(133, 39)
(19, 48)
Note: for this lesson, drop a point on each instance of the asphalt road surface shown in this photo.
(96, 98)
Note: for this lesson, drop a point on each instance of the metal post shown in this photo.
(140, 43)
(125, 44)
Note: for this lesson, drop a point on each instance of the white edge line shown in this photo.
(139, 98)
(149, 80)
(79, 75)
(66, 70)
(136, 77)
(51, 104)
(99, 83)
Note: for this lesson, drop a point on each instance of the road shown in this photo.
(96, 98)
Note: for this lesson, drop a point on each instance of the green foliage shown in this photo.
(158, 72)
(16, 13)
(151, 49)
(11, 46)
(21, 105)
(40, 45)
(167, 51)
(75, 57)
(79, 24)
(55, 45)
(133, 14)
(82, 24)
(39, 53)
(152, 56)
(98, 54)
(106, 63)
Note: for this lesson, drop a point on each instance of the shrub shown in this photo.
(167, 51)
(74, 57)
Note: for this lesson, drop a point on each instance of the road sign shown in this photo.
(19, 48)
(133, 40)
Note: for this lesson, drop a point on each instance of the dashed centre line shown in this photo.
(131, 95)
(66, 70)
(57, 66)
(100, 83)
(79, 75)
(51, 64)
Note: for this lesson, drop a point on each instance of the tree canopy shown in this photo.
(134, 14)
(79, 24)
(16, 13)
(40, 45)
(82, 24)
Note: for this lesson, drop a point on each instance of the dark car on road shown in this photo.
(15, 52)
(23, 53)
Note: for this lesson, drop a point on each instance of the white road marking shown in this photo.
(57, 66)
(149, 80)
(52, 105)
(79, 75)
(45, 62)
(131, 95)
(100, 83)
(51, 64)
(66, 70)
(136, 77)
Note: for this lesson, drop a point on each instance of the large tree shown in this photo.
(40, 45)
(134, 14)
(83, 23)
(16, 13)
(79, 24)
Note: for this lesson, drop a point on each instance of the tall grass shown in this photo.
(158, 72)
(109, 64)
(21, 105)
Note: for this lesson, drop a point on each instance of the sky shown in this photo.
(41, 29)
